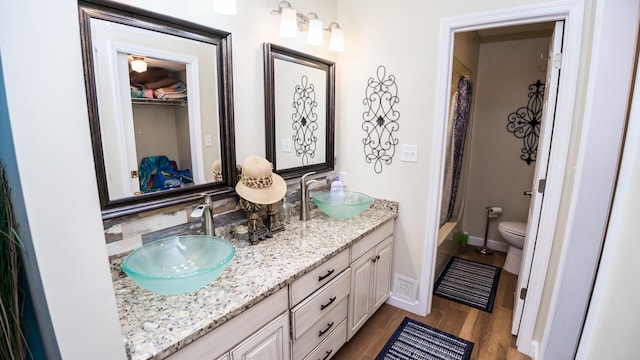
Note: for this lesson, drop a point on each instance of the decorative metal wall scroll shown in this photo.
(524, 123)
(305, 120)
(380, 119)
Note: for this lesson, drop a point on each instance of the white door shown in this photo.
(542, 160)
(360, 298)
(382, 277)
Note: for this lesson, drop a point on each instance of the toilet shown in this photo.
(513, 233)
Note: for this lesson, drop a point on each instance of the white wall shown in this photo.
(40, 51)
(613, 321)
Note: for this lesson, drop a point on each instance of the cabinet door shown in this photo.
(270, 343)
(382, 276)
(360, 297)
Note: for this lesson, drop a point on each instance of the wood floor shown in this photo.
(490, 332)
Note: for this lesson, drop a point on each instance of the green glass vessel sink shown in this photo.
(342, 204)
(178, 264)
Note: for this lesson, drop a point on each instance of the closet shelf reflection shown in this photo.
(141, 101)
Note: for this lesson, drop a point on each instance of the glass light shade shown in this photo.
(289, 23)
(225, 7)
(337, 40)
(138, 65)
(314, 35)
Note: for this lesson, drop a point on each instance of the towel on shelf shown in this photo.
(174, 92)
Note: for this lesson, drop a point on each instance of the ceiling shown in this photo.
(171, 66)
(519, 32)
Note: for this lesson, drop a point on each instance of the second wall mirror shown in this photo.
(160, 107)
(299, 111)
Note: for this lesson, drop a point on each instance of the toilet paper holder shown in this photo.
(492, 212)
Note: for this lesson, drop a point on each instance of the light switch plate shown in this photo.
(409, 153)
(343, 177)
(285, 145)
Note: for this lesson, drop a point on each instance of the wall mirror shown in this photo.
(299, 111)
(160, 100)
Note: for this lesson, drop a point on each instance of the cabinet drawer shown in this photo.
(322, 302)
(321, 330)
(317, 277)
(367, 243)
(328, 348)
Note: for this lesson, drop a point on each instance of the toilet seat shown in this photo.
(513, 227)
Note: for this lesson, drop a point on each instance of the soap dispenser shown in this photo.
(337, 185)
(337, 191)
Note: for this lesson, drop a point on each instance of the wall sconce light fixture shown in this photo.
(292, 21)
(138, 64)
(314, 34)
(288, 20)
(337, 37)
(225, 7)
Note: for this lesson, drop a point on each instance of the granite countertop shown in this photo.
(155, 326)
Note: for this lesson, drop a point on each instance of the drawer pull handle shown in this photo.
(322, 332)
(327, 356)
(322, 277)
(322, 307)
(376, 258)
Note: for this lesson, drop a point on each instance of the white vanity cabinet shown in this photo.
(370, 276)
(261, 332)
(314, 316)
(319, 309)
(270, 342)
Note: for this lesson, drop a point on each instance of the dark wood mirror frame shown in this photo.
(271, 53)
(127, 15)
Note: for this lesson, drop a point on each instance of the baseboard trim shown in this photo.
(496, 245)
(534, 349)
(411, 307)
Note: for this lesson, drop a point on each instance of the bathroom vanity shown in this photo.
(301, 294)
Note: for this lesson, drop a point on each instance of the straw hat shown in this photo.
(217, 170)
(258, 183)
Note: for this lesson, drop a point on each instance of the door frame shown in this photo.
(123, 108)
(571, 12)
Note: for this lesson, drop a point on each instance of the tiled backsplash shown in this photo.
(127, 233)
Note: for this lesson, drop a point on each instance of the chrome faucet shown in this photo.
(204, 210)
(304, 195)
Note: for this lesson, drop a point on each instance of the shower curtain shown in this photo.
(456, 135)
